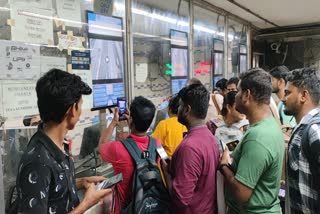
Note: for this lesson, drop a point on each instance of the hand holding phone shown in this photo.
(162, 153)
(110, 182)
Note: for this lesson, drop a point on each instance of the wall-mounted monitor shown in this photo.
(104, 25)
(177, 85)
(179, 62)
(179, 38)
(107, 94)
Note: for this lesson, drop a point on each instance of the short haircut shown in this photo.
(27, 119)
(306, 79)
(233, 80)
(57, 90)
(197, 96)
(222, 83)
(142, 112)
(194, 81)
(280, 72)
(229, 98)
(174, 104)
(259, 83)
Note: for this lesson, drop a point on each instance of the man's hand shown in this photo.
(92, 179)
(115, 119)
(225, 157)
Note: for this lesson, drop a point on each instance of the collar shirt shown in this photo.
(302, 197)
(46, 182)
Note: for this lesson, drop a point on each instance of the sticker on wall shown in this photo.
(69, 42)
(141, 72)
(80, 60)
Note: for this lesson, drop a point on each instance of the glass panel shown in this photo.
(208, 45)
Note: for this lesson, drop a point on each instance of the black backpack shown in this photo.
(149, 194)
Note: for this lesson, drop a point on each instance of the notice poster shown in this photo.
(19, 99)
(31, 24)
(19, 61)
(80, 60)
(70, 11)
(49, 62)
(35, 3)
(86, 76)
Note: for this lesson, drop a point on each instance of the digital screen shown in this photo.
(107, 60)
(177, 85)
(218, 63)
(179, 38)
(179, 62)
(104, 25)
(107, 94)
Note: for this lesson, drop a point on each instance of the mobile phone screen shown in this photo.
(110, 182)
(122, 104)
(162, 153)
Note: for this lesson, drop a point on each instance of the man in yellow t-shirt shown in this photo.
(170, 131)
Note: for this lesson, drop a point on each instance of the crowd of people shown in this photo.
(239, 130)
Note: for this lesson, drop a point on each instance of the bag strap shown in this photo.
(280, 112)
(152, 148)
(213, 97)
(133, 150)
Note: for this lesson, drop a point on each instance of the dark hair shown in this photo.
(27, 119)
(174, 104)
(57, 90)
(280, 72)
(259, 83)
(306, 79)
(229, 98)
(142, 112)
(194, 81)
(197, 96)
(233, 80)
(222, 83)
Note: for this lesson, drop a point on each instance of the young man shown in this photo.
(232, 84)
(302, 96)
(170, 131)
(221, 86)
(279, 74)
(253, 179)
(191, 175)
(141, 115)
(45, 181)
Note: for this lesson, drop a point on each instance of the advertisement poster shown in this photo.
(31, 24)
(70, 11)
(49, 62)
(86, 76)
(19, 61)
(80, 60)
(19, 99)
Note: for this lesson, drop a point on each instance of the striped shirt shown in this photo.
(303, 196)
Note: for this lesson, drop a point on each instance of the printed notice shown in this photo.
(141, 72)
(34, 3)
(69, 10)
(19, 61)
(19, 99)
(33, 25)
(86, 76)
(48, 62)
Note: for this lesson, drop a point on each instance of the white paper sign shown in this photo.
(70, 10)
(33, 25)
(86, 76)
(69, 42)
(141, 72)
(19, 99)
(48, 62)
(19, 61)
(35, 3)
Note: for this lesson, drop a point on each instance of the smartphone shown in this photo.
(110, 182)
(282, 193)
(122, 107)
(162, 153)
(222, 145)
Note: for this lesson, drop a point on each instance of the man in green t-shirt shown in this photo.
(253, 179)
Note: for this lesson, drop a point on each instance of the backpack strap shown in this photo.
(152, 148)
(133, 150)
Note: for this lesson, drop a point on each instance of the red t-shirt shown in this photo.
(116, 154)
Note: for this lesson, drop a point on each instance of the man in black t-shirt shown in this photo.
(46, 181)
